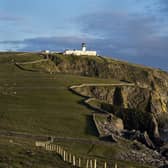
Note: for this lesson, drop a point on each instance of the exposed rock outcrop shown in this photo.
(140, 105)
(154, 80)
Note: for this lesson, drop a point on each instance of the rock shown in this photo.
(147, 140)
(10, 141)
(164, 151)
(30, 153)
(141, 137)
(136, 145)
(110, 138)
(155, 128)
(164, 166)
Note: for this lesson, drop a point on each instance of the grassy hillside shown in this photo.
(37, 102)
(36, 99)
(19, 153)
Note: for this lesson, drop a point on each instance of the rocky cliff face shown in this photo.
(155, 80)
(131, 103)
(109, 68)
(148, 96)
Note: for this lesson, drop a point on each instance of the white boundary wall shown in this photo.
(80, 52)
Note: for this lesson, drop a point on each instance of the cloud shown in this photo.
(131, 37)
(163, 5)
(138, 38)
(51, 43)
(10, 18)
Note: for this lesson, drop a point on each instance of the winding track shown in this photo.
(5, 133)
(101, 84)
(31, 62)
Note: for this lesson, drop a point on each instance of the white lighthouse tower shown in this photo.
(84, 47)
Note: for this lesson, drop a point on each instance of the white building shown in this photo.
(46, 51)
(83, 51)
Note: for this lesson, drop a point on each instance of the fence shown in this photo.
(74, 160)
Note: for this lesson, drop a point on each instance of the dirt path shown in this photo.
(102, 84)
(31, 62)
(56, 138)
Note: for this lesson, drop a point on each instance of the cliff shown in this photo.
(145, 103)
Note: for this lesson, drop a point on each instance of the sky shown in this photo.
(130, 30)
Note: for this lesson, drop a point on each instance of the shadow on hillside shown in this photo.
(25, 69)
(90, 127)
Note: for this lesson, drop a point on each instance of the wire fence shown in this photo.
(74, 160)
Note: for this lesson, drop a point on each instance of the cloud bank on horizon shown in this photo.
(132, 30)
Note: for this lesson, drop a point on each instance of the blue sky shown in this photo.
(131, 30)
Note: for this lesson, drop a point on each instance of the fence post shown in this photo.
(66, 156)
(64, 153)
(95, 163)
(59, 150)
(45, 147)
(55, 148)
(70, 158)
(73, 160)
(79, 162)
(91, 164)
(105, 164)
(87, 163)
(116, 165)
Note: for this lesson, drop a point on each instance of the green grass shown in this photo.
(41, 103)
(22, 153)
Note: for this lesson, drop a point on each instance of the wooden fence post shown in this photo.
(70, 158)
(87, 163)
(74, 164)
(91, 164)
(105, 164)
(45, 146)
(95, 163)
(116, 165)
(60, 151)
(79, 162)
(57, 149)
(66, 157)
(64, 153)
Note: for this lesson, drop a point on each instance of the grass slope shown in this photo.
(40, 103)
(21, 153)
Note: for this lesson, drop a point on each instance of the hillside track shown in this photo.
(4, 133)
(31, 62)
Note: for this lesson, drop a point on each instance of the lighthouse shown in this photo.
(83, 51)
(84, 47)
